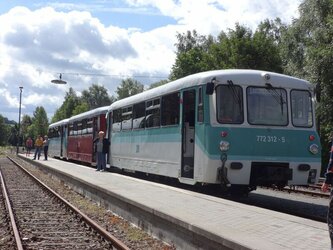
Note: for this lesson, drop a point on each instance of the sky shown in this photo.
(105, 41)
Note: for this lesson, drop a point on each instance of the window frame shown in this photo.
(267, 124)
(164, 110)
(311, 106)
(241, 111)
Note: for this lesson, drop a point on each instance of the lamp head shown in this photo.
(59, 81)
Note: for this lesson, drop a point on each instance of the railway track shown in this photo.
(41, 219)
(6, 232)
(311, 190)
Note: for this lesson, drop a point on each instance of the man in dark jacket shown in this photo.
(101, 146)
(329, 182)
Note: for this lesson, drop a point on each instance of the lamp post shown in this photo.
(19, 123)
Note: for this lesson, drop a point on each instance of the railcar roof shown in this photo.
(59, 123)
(243, 77)
(90, 113)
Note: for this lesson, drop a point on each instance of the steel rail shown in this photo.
(106, 235)
(11, 215)
(296, 189)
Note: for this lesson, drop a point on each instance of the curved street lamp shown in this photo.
(59, 81)
(19, 123)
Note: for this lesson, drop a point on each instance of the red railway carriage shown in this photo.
(82, 129)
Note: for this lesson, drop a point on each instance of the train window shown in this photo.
(84, 126)
(126, 123)
(116, 123)
(301, 108)
(79, 128)
(52, 132)
(229, 104)
(170, 109)
(139, 115)
(71, 129)
(200, 116)
(153, 113)
(89, 126)
(267, 106)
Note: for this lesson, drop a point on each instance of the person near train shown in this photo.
(325, 188)
(38, 147)
(101, 148)
(46, 147)
(28, 145)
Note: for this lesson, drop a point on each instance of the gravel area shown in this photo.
(132, 236)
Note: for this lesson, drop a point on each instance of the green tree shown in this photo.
(13, 132)
(191, 54)
(157, 84)
(242, 49)
(128, 88)
(307, 52)
(96, 96)
(67, 107)
(83, 107)
(4, 135)
(25, 124)
(239, 48)
(39, 122)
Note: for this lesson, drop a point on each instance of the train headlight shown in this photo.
(314, 149)
(224, 146)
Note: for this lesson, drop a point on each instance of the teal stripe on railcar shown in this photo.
(256, 143)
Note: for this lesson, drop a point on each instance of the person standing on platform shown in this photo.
(38, 147)
(46, 147)
(325, 187)
(28, 145)
(101, 148)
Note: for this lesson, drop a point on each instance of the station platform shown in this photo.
(190, 220)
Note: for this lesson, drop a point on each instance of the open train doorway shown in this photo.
(188, 133)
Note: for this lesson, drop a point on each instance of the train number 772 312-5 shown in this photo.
(270, 139)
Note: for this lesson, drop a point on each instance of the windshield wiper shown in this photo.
(235, 94)
(276, 95)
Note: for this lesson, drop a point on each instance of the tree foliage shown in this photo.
(238, 48)
(307, 52)
(25, 124)
(4, 134)
(192, 50)
(39, 122)
(128, 87)
(13, 132)
(67, 107)
(157, 84)
(96, 96)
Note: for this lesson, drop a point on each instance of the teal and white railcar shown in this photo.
(236, 128)
(58, 134)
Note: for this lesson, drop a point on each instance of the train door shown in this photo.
(61, 141)
(64, 144)
(188, 132)
(108, 134)
(95, 131)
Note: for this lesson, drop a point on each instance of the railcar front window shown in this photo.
(301, 108)
(267, 106)
(229, 100)
(116, 123)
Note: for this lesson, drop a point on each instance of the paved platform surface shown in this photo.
(235, 225)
